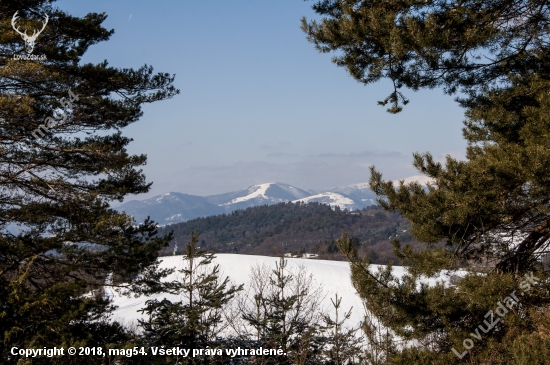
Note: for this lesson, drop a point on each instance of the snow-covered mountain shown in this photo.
(269, 193)
(350, 197)
(332, 199)
(171, 208)
(359, 193)
(177, 207)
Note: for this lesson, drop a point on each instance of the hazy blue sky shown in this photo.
(258, 103)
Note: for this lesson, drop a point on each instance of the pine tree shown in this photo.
(461, 45)
(489, 213)
(284, 315)
(499, 194)
(194, 322)
(63, 160)
(341, 345)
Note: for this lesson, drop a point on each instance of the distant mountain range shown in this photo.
(177, 207)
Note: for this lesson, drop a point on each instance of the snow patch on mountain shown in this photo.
(267, 193)
(258, 191)
(175, 217)
(177, 207)
(359, 186)
(332, 199)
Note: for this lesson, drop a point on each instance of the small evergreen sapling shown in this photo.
(194, 322)
(284, 314)
(341, 345)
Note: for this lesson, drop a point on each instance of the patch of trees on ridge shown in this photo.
(297, 228)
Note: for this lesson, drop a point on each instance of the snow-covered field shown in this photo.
(333, 276)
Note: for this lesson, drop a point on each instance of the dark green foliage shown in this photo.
(194, 322)
(341, 345)
(58, 237)
(476, 207)
(501, 191)
(461, 45)
(284, 314)
(441, 317)
(488, 213)
(288, 227)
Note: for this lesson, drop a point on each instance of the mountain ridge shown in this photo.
(174, 207)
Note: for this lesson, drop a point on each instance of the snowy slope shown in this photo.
(254, 192)
(268, 193)
(360, 193)
(332, 199)
(333, 275)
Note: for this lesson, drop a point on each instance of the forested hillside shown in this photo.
(295, 227)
